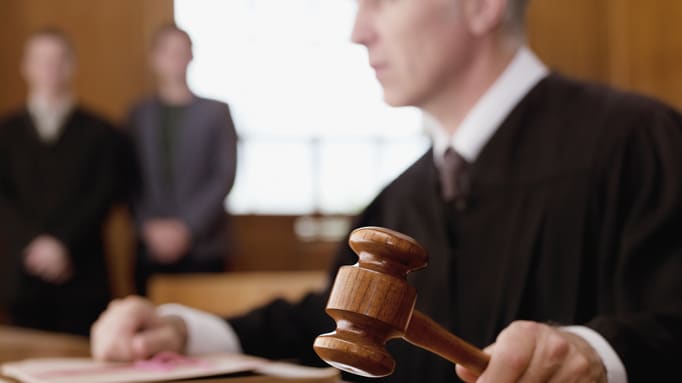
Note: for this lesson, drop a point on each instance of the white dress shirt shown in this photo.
(209, 333)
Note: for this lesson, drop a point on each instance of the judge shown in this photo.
(550, 209)
(58, 180)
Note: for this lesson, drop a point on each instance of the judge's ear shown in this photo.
(484, 16)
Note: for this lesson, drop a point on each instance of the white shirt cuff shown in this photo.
(206, 333)
(615, 370)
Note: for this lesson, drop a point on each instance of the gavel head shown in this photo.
(371, 302)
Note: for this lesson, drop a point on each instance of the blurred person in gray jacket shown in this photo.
(187, 154)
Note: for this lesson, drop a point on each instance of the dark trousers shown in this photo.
(146, 267)
(70, 308)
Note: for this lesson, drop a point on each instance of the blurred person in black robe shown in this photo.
(58, 181)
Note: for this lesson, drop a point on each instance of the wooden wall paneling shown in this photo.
(111, 39)
(570, 36)
(630, 44)
(269, 242)
(120, 245)
(646, 47)
(619, 48)
(11, 87)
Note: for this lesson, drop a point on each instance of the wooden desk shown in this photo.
(17, 344)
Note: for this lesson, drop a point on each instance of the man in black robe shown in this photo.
(550, 210)
(57, 184)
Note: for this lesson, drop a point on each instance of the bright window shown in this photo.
(315, 135)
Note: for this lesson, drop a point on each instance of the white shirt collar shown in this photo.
(49, 118)
(482, 121)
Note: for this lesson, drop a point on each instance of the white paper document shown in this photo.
(163, 367)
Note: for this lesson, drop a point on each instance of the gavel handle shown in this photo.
(429, 335)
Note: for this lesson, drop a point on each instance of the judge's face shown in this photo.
(171, 56)
(48, 64)
(416, 47)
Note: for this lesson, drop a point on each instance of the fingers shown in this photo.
(467, 375)
(584, 362)
(56, 272)
(113, 333)
(147, 343)
(167, 240)
(534, 352)
(39, 266)
(58, 277)
(47, 258)
(33, 265)
(512, 354)
(551, 353)
(130, 330)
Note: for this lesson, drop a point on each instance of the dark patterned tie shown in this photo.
(453, 182)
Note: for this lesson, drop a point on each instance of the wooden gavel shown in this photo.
(372, 303)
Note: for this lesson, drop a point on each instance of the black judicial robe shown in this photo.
(64, 189)
(574, 217)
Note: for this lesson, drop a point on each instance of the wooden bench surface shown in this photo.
(233, 293)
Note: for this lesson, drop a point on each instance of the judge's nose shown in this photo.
(363, 31)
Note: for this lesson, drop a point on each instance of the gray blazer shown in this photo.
(203, 169)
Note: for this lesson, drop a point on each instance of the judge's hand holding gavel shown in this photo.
(528, 351)
(371, 303)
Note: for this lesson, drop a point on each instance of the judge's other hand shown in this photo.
(534, 352)
(167, 239)
(129, 329)
(47, 258)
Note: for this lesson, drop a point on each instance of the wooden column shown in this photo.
(111, 39)
(631, 44)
